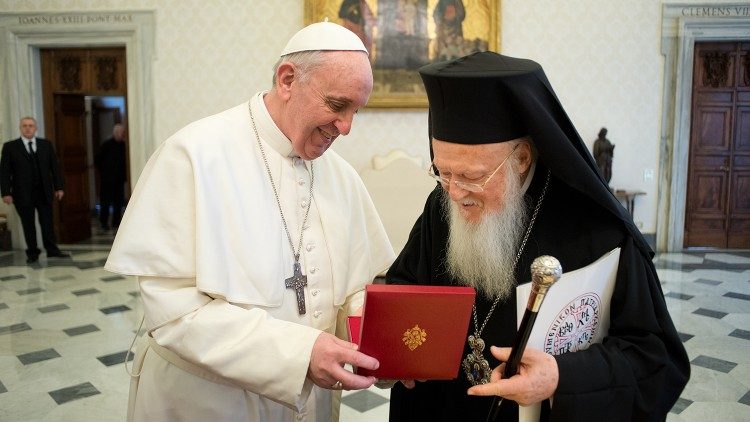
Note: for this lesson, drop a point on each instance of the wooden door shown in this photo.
(68, 75)
(73, 218)
(718, 197)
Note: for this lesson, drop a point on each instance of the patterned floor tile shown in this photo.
(363, 401)
(15, 328)
(709, 282)
(74, 392)
(710, 313)
(38, 356)
(86, 292)
(681, 405)
(740, 334)
(83, 329)
(684, 337)
(115, 358)
(29, 291)
(733, 258)
(115, 309)
(714, 363)
(680, 296)
(62, 277)
(53, 308)
(682, 258)
(735, 295)
(745, 399)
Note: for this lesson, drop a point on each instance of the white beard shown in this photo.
(482, 254)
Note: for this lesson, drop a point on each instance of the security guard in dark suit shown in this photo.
(29, 179)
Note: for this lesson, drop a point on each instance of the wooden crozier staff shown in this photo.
(545, 271)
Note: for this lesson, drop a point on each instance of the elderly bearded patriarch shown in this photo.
(516, 182)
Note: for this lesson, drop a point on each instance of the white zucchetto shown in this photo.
(323, 36)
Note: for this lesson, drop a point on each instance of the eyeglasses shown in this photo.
(471, 187)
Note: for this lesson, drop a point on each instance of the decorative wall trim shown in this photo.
(69, 69)
(106, 73)
(682, 26)
(716, 69)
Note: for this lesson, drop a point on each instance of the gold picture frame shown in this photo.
(403, 35)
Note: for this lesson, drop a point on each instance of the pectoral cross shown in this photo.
(476, 367)
(298, 282)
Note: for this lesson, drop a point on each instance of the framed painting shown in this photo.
(403, 35)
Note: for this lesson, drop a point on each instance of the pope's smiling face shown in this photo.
(321, 106)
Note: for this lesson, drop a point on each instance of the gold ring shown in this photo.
(337, 386)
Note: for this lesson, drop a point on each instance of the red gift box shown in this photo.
(415, 332)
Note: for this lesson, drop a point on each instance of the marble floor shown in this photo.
(65, 326)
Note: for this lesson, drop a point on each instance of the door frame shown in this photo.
(680, 31)
(23, 34)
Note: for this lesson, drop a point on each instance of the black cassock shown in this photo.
(636, 373)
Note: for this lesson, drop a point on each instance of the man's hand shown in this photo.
(329, 355)
(535, 381)
(8, 199)
(59, 194)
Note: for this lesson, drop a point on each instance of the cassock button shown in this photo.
(315, 292)
(317, 314)
(303, 204)
(313, 270)
(310, 246)
(301, 182)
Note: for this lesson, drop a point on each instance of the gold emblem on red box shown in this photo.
(414, 337)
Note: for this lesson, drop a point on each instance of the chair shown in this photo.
(399, 186)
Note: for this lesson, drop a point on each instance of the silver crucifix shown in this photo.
(298, 282)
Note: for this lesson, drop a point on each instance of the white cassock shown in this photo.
(205, 237)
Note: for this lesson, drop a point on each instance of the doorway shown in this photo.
(718, 191)
(83, 96)
(102, 114)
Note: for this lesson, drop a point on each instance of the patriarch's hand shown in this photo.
(535, 381)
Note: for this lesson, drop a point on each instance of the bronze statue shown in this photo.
(603, 153)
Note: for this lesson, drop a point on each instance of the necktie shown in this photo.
(31, 147)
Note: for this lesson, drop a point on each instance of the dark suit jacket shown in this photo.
(16, 171)
(110, 161)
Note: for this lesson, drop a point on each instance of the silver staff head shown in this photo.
(545, 271)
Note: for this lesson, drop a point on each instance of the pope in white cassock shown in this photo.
(251, 248)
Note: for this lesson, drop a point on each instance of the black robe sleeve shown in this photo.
(639, 370)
